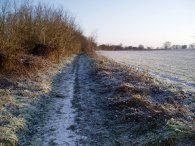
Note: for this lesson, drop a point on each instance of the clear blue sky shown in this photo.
(134, 22)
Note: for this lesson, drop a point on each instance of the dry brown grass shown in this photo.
(153, 111)
(33, 38)
(23, 65)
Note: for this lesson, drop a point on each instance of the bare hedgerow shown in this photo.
(25, 27)
(39, 30)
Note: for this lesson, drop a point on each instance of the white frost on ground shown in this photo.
(172, 66)
(57, 123)
(62, 114)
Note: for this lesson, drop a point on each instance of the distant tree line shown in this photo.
(166, 46)
(120, 47)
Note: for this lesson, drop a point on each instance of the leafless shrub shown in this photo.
(22, 28)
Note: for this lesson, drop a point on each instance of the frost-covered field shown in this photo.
(173, 66)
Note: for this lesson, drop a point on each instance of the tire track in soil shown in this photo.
(77, 116)
(57, 126)
(92, 120)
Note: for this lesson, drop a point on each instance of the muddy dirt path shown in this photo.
(57, 114)
(91, 120)
(73, 115)
(87, 107)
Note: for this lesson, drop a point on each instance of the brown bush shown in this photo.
(46, 51)
(40, 30)
(24, 65)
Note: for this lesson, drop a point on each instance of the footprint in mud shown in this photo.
(52, 142)
(72, 127)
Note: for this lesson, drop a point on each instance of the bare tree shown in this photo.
(167, 45)
(141, 47)
(192, 46)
